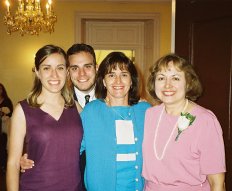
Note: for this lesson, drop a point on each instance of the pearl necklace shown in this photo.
(169, 139)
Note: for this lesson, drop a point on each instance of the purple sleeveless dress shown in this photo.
(54, 145)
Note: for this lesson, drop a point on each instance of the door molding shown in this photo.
(151, 49)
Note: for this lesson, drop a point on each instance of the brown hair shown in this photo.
(193, 84)
(110, 62)
(77, 48)
(41, 55)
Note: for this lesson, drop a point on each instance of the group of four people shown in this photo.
(175, 146)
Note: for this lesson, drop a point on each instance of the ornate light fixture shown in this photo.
(29, 18)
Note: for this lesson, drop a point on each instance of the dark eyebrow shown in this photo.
(89, 64)
(61, 65)
(50, 65)
(75, 65)
(45, 65)
(176, 75)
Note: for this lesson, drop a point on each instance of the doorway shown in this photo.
(122, 31)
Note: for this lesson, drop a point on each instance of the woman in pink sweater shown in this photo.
(183, 148)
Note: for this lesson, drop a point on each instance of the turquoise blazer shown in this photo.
(99, 142)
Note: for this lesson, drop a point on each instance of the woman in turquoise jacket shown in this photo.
(113, 128)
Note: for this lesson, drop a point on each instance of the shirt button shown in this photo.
(136, 139)
(136, 179)
(136, 167)
(137, 153)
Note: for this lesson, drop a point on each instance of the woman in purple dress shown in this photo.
(47, 124)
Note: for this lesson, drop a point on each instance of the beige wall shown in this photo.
(17, 53)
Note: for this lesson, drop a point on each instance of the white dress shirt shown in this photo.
(81, 96)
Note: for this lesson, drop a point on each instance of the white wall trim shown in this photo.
(81, 17)
(173, 26)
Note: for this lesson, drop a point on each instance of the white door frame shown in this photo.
(151, 31)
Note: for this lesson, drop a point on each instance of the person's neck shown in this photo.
(177, 108)
(51, 99)
(85, 91)
(116, 101)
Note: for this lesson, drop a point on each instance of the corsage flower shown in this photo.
(185, 120)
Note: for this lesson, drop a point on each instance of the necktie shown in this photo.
(87, 99)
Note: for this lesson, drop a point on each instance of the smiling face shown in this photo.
(52, 73)
(82, 71)
(117, 83)
(170, 85)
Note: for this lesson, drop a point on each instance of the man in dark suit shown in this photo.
(82, 71)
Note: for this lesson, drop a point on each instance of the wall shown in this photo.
(17, 53)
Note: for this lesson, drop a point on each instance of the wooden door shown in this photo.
(204, 37)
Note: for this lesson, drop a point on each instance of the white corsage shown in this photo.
(185, 120)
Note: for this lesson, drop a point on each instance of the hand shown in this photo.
(5, 110)
(26, 163)
(5, 118)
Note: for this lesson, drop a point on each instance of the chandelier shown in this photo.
(29, 18)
